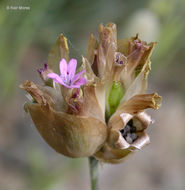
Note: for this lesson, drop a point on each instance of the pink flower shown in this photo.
(67, 75)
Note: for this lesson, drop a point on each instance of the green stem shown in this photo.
(93, 165)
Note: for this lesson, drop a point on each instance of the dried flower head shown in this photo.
(100, 111)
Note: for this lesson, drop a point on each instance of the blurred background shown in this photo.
(26, 161)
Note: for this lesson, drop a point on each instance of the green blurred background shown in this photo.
(26, 161)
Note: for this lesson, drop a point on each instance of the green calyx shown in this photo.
(115, 95)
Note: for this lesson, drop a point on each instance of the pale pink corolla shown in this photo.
(67, 76)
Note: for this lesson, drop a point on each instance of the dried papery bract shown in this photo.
(71, 135)
(58, 51)
(133, 110)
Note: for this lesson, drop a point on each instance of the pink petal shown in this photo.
(80, 82)
(77, 76)
(56, 78)
(63, 68)
(71, 68)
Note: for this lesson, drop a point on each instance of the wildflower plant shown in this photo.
(98, 109)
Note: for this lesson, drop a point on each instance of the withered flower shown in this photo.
(99, 111)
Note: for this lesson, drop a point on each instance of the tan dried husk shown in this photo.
(83, 132)
(117, 147)
(121, 150)
(58, 51)
(71, 135)
(137, 57)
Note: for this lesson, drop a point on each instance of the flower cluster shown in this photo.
(99, 111)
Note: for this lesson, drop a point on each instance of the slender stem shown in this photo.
(93, 165)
